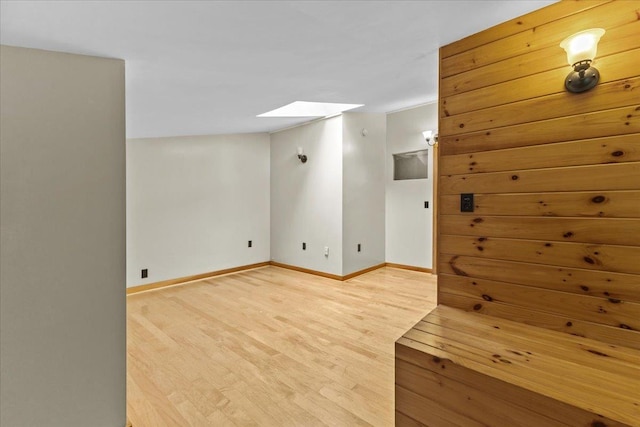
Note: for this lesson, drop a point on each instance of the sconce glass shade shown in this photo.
(581, 50)
(582, 46)
(427, 134)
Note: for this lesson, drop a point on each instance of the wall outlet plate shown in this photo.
(466, 202)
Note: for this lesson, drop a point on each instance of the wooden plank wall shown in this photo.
(555, 237)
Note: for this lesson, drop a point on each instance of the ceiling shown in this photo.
(209, 67)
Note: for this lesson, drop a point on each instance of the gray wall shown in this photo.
(62, 247)
(409, 226)
(193, 202)
(306, 199)
(363, 191)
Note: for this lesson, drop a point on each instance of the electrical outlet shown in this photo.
(359, 247)
(145, 273)
(326, 251)
(304, 246)
(466, 202)
(426, 205)
(250, 243)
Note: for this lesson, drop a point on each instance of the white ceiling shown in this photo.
(209, 67)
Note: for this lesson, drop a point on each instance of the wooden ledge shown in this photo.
(525, 372)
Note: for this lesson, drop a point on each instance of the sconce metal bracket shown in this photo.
(582, 78)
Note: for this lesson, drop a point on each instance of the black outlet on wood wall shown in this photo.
(466, 202)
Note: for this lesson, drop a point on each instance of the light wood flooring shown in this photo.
(271, 347)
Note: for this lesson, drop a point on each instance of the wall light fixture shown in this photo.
(581, 50)
(301, 156)
(430, 137)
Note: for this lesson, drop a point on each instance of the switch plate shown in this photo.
(466, 202)
(304, 246)
(326, 251)
(250, 243)
(359, 247)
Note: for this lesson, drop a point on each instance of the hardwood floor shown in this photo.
(271, 347)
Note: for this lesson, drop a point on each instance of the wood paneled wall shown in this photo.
(554, 240)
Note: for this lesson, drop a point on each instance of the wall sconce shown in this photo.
(581, 51)
(302, 157)
(430, 136)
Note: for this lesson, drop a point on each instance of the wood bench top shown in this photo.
(591, 375)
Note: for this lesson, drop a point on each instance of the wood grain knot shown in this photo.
(598, 424)
(478, 220)
(588, 260)
(436, 359)
(584, 288)
(514, 177)
(614, 301)
(598, 199)
(480, 248)
(567, 234)
(623, 326)
(617, 153)
(598, 353)
(548, 245)
(477, 307)
(569, 324)
(487, 297)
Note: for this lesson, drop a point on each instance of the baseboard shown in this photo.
(180, 280)
(366, 270)
(409, 267)
(327, 275)
(306, 270)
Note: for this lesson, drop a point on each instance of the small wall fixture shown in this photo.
(430, 137)
(581, 50)
(302, 157)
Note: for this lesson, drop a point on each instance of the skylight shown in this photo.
(309, 109)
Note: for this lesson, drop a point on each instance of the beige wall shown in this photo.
(62, 269)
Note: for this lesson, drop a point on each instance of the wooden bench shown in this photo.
(457, 368)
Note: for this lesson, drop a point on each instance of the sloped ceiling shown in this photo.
(198, 67)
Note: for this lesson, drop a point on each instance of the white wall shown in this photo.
(62, 245)
(306, 199)
(409, 226)
(193, 203)
(363, 191)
